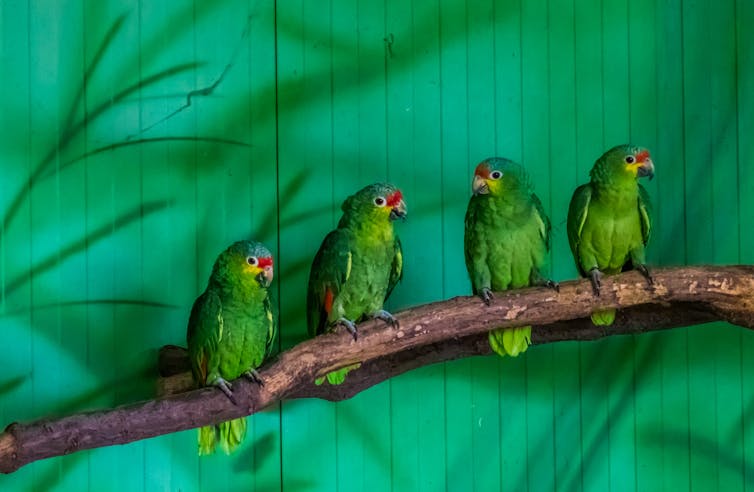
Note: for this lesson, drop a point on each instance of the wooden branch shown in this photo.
(429, 333)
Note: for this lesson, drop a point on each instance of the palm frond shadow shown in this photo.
(89, 302)
(110, 36)
(10, 385)
(142, 141)
(715, 453)
(136, 385)
(52, 477)
(637, 363)
(44, 168)
(82, 244)
(257, 453)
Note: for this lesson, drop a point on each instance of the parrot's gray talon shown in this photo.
(226, 388)
(253, 376)
(387, 318)
(552, 285)
(350, 326)
(486, 295)
(596, 277)
(645, 272)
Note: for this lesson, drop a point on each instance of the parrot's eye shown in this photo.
(252, 260)
(629, 159)
(380, 201)
(496, 174)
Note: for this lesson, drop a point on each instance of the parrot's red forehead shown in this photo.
(482, 170)
(642, 156)
(264, 262)
(395, 198)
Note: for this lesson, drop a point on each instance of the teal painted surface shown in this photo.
(114, 211)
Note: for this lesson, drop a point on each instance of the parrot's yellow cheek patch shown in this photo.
(495, 186)
(633, 168)
(252, 269)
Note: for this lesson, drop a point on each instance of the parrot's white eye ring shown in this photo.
(629, 159)
(380, 201)
(496, 174)
(252, 260)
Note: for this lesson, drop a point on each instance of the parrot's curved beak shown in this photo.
(646, 169)
(479, 185)
(399, 211)
(265, 276)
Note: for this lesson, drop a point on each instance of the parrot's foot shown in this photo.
(551, 284)
(253, 376)
(645, 272)
(539, 280)
(226, 388)
(349, 325)
(486, 295)
(596, 277)
(386, 317)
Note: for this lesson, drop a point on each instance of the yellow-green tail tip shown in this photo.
(338, 376)
(206, 440)
(510, 341)
(228, 434)
(603, 318)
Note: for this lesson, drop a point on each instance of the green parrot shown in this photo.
(506, 241)
(609, 219)
(230, 331)
(357, 266)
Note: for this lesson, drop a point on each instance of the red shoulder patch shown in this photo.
(203, 367)
(328, 301)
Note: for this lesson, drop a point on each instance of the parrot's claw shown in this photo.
(486, 295)
(645, 272)
(226, 388)
(350, 326)
(386, 317)
(253, 376)
(537, 279)
(596, 277)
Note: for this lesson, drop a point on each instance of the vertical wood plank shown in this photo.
(745, 150)
(723, 164)
(589, 145)
(535, 131)
(703, 418)
(454, 142)
(361, 158)
(400, 148)
(644, 41)
(305, 142)
(566, 431)
(643, 26)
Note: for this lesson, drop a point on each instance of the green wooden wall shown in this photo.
(116, 196)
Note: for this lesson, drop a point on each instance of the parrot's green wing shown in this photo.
(545, 226)
(270, 309)
(205, 330)
(396, 269)
(330, 270)
(468, 222)
(577, 212)
(645, 213)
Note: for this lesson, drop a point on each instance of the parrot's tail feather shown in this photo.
(337, 376)
(510, 341)
(207, 437)
(229, 434)
(603, 318)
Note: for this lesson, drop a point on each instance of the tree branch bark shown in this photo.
(430, 333)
